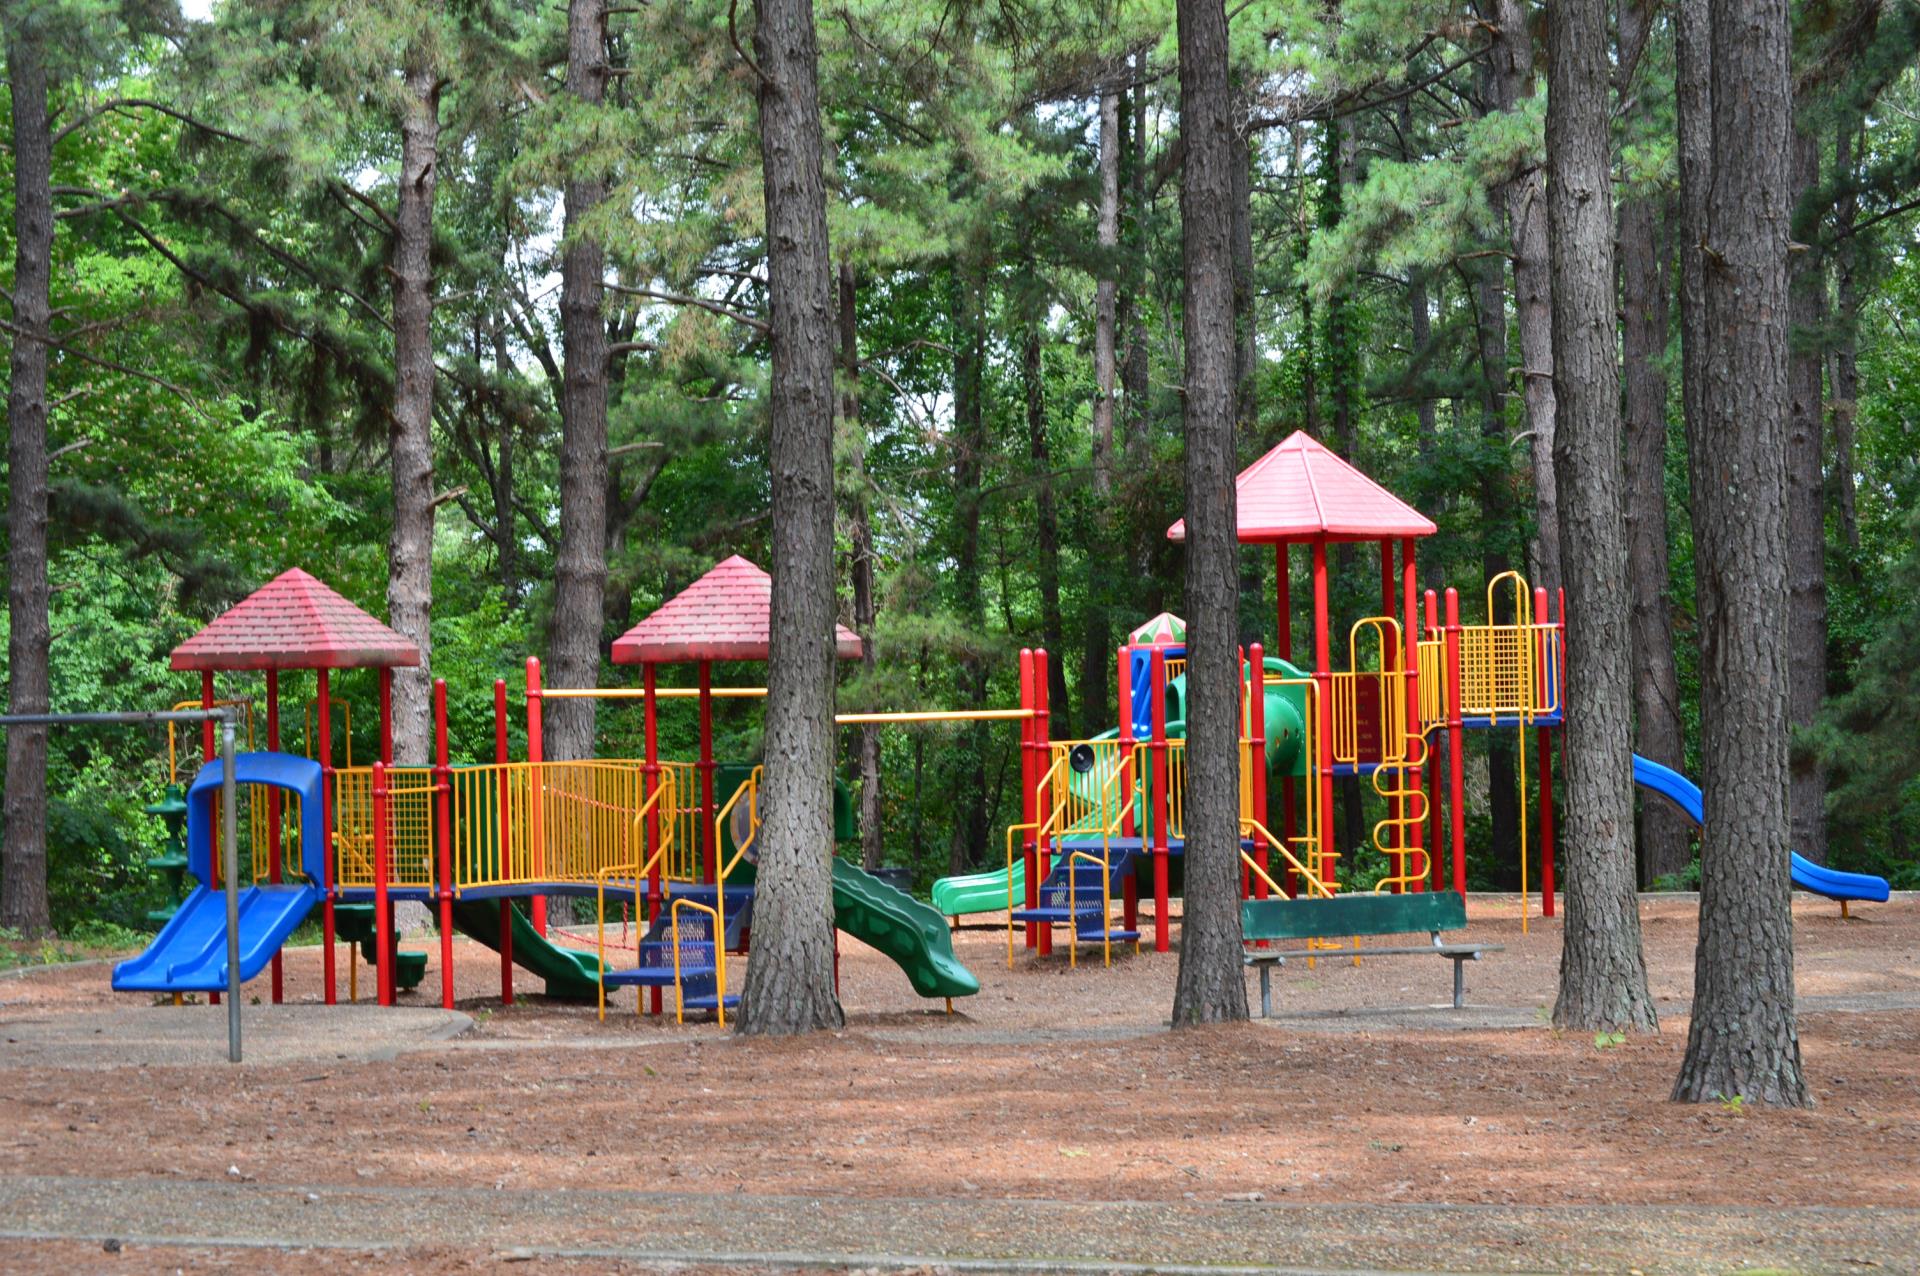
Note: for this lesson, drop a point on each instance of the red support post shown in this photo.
(1549, 639)
(505, 849)
(710, 858)
(1043, 852)
(536, 814)
(1456, 783)
(1283, 648)
(274, 846)
(650, 722)
(1130, 884)
(1323, 680)
(1389, 662)
(1410, 596)
(382, 906)
(1257, 757)
(1157, 684)
(1029, 780)
(323, 711)
(443, 818)
(1437, 878)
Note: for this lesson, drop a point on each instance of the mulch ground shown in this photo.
(1053, 1084)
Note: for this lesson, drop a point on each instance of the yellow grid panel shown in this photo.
(410, 843)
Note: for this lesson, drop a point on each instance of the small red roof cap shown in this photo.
(1302, 492)
(294, 622)
(725, 615)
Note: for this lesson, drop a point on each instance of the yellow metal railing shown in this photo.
(1406, 813)
(750, 790)
(719, 961)
(411, 859)
(1042, 828)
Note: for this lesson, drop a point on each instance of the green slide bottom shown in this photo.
(980, 892)
(570, 975)
(911, 933)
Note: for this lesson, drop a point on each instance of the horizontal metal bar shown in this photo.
(937, 715)
(94, 719)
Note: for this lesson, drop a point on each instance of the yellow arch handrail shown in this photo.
(719, 961)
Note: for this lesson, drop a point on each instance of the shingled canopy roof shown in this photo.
(725, 615)
(1302, 492)
(295, 622)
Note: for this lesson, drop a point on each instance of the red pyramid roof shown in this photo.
(294, 622)
(725, 615)
(1301, 491)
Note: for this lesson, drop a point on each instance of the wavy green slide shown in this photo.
(570, 975)
(912, 934)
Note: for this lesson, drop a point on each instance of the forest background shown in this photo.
(468, 319)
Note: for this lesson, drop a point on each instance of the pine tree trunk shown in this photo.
(410, 440)
(23, 860)
(1496, 532)
(1210, 986)
(1603, 973)
(1106, 292)
(1665, 834)
(1806, 522)
(789, 985)
(1844, 387)
(580, 565)
(1524, 199)
(1665, 837)
(1046, 522)
(873, 844)
(969, 783)
(1744, 1039)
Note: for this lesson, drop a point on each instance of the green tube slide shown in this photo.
(570, 975)
(986, 892)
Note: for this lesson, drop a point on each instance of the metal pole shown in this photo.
(230, 855)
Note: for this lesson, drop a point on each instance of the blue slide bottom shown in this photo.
(1807, 875)
(190, 952)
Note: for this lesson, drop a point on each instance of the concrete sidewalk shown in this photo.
(988, 1234)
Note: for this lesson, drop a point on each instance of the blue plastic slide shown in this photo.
(190, 952)
(1807, 875)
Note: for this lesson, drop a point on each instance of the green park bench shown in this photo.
(1360, 914)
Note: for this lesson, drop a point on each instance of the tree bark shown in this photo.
(580, 565)
(1524, 199)
(1844, 380)
(873, 843)
(23, 888)
(1046, 522)
(410, 437)
(1744, 1039)
(1603, 972)
(789, 986)
(1106, 292)
(1665, 838)
(969, 784)
(1806, 520)
(1210, 986)
(1497, 519)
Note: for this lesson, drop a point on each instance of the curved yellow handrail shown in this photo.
(719, 961)
(1040, 829)
(1073, 906)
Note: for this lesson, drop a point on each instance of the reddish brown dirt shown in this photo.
(1052, 1083)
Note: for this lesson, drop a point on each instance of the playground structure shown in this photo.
(467, 841)
(1103, 818)
(671, 844)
